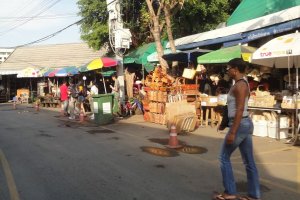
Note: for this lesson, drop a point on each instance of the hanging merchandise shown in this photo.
(189, 73)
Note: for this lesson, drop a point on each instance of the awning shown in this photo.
(264, 32)
(231, 33)
(271, 30)
(210, 41)
(139, 56)
(153, 57)
(251, 9)
(9, 72)
(224, 55)
(185, 56)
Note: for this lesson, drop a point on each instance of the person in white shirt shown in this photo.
(94, 91)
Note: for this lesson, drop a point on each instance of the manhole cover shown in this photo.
(192, 150)
(160, 152)
(100, 131)
(164, 141)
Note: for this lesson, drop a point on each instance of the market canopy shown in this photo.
(153, 57)
(98, 64)
(185, 56)
(224, 55)
(67, 71)
(46, 71)
(29, 72)
(252, 9)
(280, 52)
(108, 73)
(139, 56)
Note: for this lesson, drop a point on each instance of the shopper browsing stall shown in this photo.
(64, 97)
(94, 91)
(116, 91)
(73, 100)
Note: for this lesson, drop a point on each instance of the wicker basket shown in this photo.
(262, 101)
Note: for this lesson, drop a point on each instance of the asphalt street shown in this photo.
(48, 157)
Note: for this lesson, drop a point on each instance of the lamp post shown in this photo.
(84, 79)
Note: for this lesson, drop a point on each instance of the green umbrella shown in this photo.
(139, 56)
(226, 54)
(83, 68)
(108, 73)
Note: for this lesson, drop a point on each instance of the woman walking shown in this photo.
(239, 136)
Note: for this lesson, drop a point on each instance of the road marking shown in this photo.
(13, 192)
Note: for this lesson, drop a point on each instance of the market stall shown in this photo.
(166, 101)
(284, 52)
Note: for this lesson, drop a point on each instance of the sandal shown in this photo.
(247, 198)
(223, 196)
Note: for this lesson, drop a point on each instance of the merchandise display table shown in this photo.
(213, 115)
(279, 111)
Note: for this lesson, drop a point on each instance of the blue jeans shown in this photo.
(243, 140)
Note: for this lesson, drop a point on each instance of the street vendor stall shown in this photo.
(166, 101)
(283, 52)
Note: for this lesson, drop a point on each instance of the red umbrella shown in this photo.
(109, 62)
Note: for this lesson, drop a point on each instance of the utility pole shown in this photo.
(119, 39)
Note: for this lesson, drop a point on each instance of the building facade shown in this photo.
(4, 53)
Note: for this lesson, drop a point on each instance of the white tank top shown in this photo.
(231, 102)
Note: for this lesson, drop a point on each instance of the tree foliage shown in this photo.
(194, 17)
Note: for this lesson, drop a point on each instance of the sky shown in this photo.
(25, 21)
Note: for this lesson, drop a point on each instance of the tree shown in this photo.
(94, 26)
(155, 10)
(194, 17)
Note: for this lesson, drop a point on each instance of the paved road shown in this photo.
(47, 157)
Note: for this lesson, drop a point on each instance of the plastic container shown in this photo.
(103, 108)
(260, 128)
(272, 127)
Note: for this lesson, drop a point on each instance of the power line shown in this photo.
(48, 36)
(29, 12)
(42, 11)
(8, 19)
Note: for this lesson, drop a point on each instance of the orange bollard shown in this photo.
(37, 106)
(173, 141)
(81, 115)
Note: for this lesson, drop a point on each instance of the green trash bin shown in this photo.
(103, 108)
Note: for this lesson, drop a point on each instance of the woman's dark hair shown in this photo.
(238, 63)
